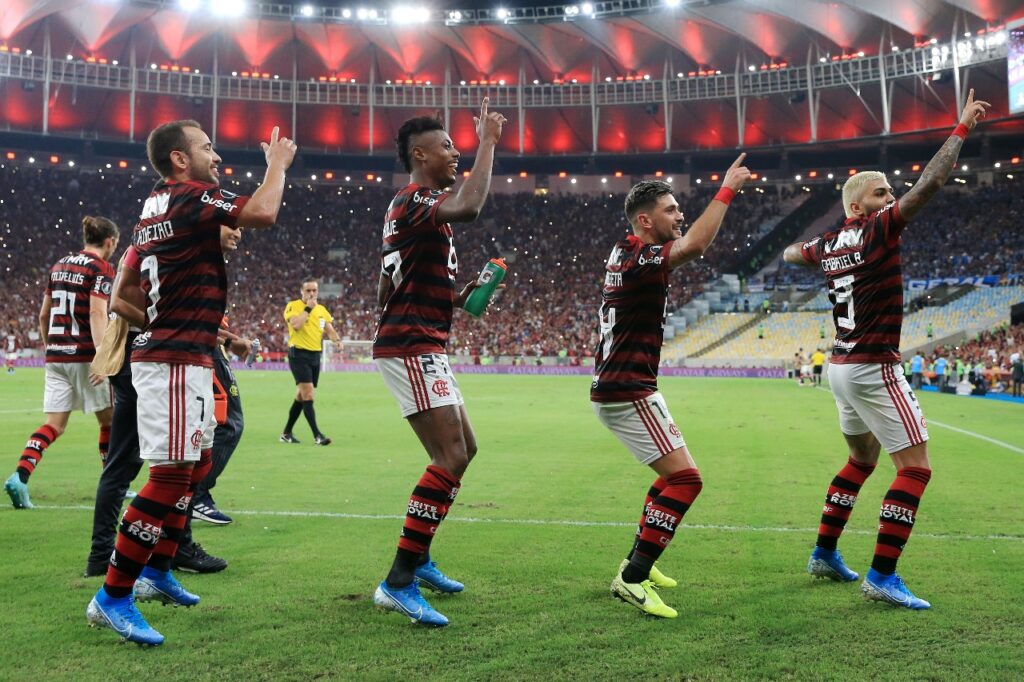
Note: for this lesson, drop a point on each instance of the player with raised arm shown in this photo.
(624, 392)
(72, 320)
(877, 408)
(417, 295)
(178, 242)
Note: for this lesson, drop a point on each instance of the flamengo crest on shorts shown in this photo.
(644, 426)
(175, 410)
(876, 397)
(420, 382)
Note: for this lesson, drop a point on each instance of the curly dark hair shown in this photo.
(644, 195)
(414, 126)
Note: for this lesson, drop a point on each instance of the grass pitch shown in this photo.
(545, 515)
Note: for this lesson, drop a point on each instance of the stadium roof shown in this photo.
(527, 43)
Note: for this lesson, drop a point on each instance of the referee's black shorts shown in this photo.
(817, 369)
(305, 365)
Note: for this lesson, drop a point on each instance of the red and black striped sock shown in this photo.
(104, 444)
(141, 526)
(839, 501)
(652, 494)
(34, 449)
(174, 523)
(663, 516)
(431, 499)
(896, 520)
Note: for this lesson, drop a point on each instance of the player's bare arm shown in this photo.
(128, 300)
(97, 319)
(44, 320)
(467, 203)
(332, 333)
(383, 287)
(794, 255)
(265, 202)
(705, 228)
(938, 169)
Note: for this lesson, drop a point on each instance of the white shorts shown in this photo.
(644, 426)
(68, 389)
(175, 408)
(420, 382)
(11, 357)
(877, 398)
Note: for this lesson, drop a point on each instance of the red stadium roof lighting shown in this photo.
(562, 174)
(328, 175)
(714, 177)
(522, 174)
(618, 174)
(916, 167)
(753, 176)
(54, 158)
(812, 174)
(465, 174)
(229, 171)
(1015, 160)
(369, 176)
(852, 171)
(11, 156)
(658, 174)
(122, 164)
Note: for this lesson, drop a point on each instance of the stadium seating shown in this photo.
(702, 334)
(983, 308)
(784, 335)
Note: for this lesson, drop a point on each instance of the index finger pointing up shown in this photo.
(739, 161)
(273, 135)
(483, 108)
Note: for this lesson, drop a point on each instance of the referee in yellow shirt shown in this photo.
(818, 360)
(308, 321)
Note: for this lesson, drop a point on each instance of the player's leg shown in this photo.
(54, 425)
(429, 399)
(302, 374)
(887, 404)
(171, 448)
(646, 428)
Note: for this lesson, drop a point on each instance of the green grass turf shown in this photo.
(295, 601)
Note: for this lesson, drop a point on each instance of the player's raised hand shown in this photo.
(280, 151)
(488, 124)
(737, 175)
(973, 110)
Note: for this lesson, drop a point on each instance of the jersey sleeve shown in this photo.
(889, 221)
(421, 207)
(210, 206)
(102, 282)
(131, 260)
(292, 309)
(811, 250)
(326, 315)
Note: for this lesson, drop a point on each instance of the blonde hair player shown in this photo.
(877, 408)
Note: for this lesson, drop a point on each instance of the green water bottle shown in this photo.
(490, 278)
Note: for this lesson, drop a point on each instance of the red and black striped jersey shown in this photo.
(72, 282)
(182, 270)
(419, 257)
(633, 307)
(863, 267)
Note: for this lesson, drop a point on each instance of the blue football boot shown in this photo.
(829, 564)
(162, 586)
(18, 492)
(121, 616)
(431, 577)
(891, 590)
(409, 602)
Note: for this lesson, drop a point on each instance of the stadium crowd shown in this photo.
(555, 246)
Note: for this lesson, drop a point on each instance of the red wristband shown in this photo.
(961, 131)
(725, 195)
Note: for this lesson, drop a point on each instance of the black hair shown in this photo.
(644, 195)
(97, 229)
(167, 138)
(414, 126)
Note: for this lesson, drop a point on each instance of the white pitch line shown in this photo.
(575, 524)
(1012, 448)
